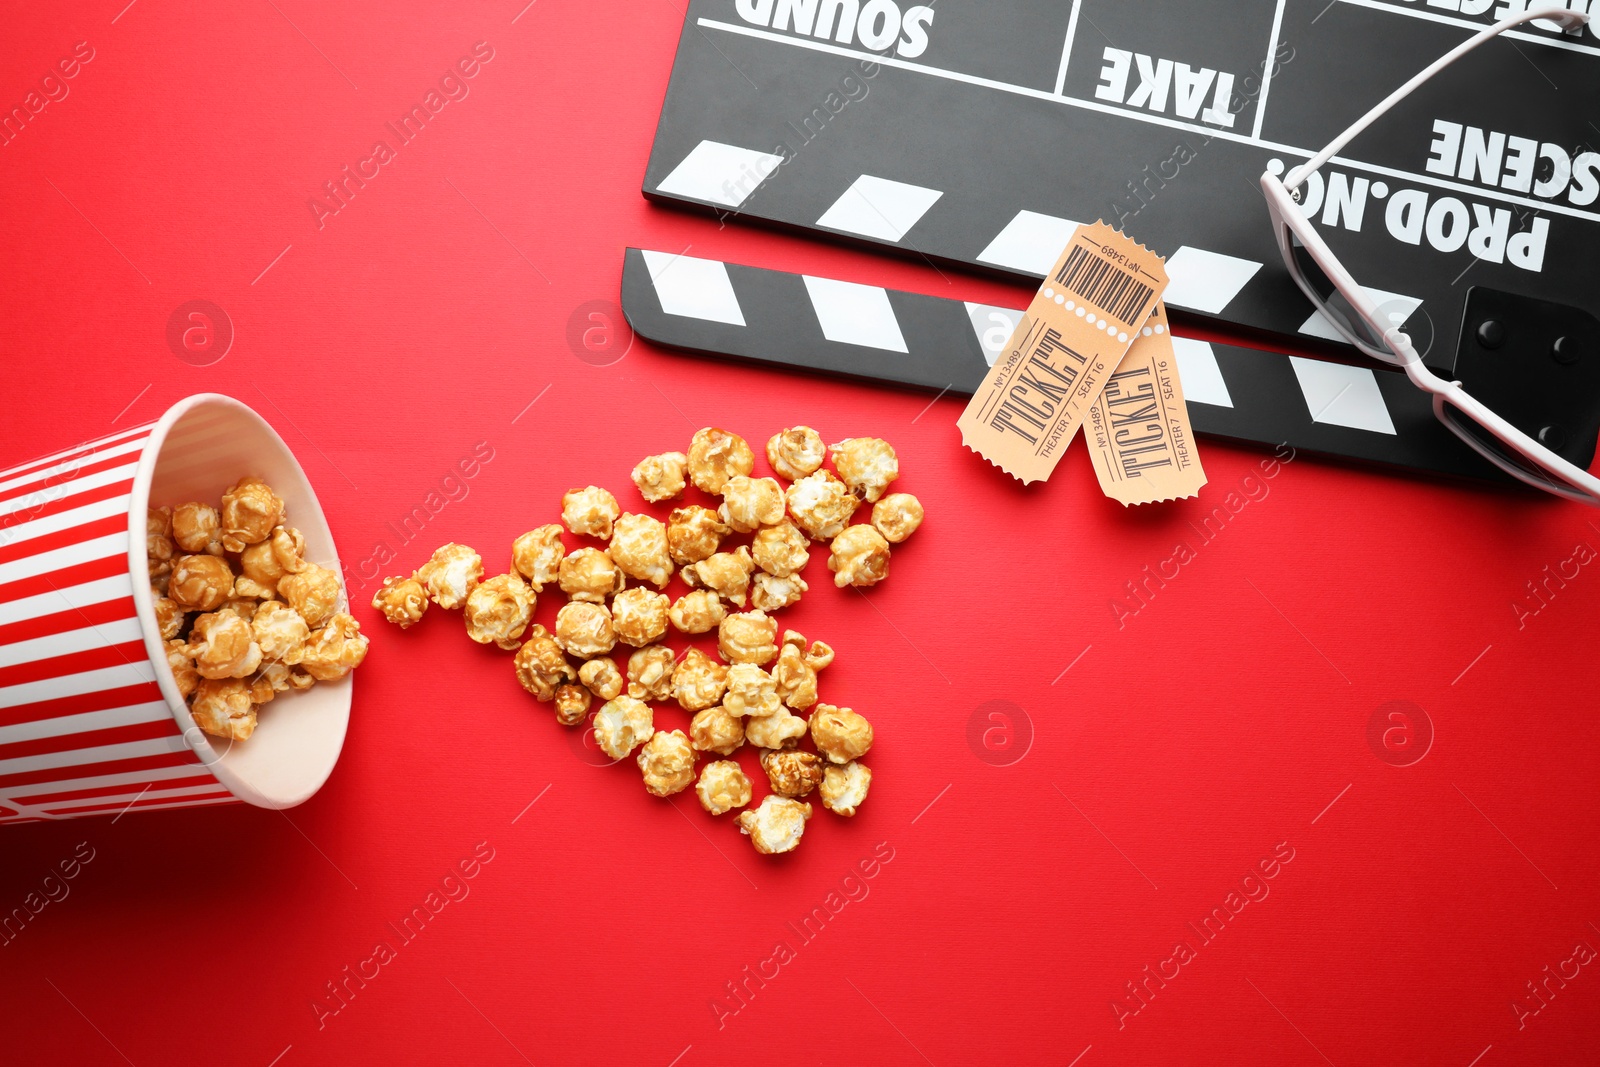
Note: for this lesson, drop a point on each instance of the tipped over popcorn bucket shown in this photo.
(91, 720)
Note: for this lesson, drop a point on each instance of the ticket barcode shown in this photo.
(1103, 283)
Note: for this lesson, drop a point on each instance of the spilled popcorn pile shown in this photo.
(752, 694)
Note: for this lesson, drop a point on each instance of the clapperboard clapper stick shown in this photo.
(802, 322)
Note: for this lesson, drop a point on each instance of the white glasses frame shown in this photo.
(1550, 472)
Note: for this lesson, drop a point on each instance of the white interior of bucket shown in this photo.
(210, 442)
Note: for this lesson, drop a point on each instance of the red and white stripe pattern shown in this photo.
(84, 729)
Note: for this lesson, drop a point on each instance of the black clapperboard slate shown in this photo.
(975, 147)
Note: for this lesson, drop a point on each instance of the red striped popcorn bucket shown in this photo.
(91, 721)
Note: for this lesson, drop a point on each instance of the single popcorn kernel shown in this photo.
(621, 725)
(792, 773)
(844, 787)
(751, 503)
(223, 646)
(750, 637)
(537, 555)
(590, 574)
(249, 512)
(498, 611)
(867, 465)
(715, 455)
(182, 666)
(169, 617)
(770, 594)
(589, 511)
(694, 533)
(795, 452)
(667, 761)
(725, 573)
(200, 582)
(639, 616)
(572, 704)
(280, 631)
(249, 589)
(821, 505)
(451, 574)
(859, 556)
(897, 516)
(159, 547)
(840, 734)
(402, 601)
(197, 528)
(661, 477)
(314, 593)
(751, 692)
(782, 730)
(222, 708)
(776, 825)
(714, 730)
(244, 607)
(697, 612)
(335, 650)
(639, 545)
(266, 562)
(780, 549)
(584, 629)
(796, 670)
(602, 677)
(698, 681)
(650, 673)
(722, 787)
(541, 665)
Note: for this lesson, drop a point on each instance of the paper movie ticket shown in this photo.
(1091, 307)
(1138, 430)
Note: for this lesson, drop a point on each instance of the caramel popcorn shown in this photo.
(661, 477)
(667, 760)
(782, 730)
(158, 545)
(897, 516)
(722, 787)
(450, 575)
(250, 589)
(639, 616)
(537, 555)
(402, 601)
(867, 465)
(277, 678)
(572, 704)
(267, 561)
(776, 825)
(200, 582)
(795, 452)
(222, 708)
(780, 549)
(280, 631)
(796, 670)
(792, 773)
(751, 692)
(821, 505)
(751, 503)
(197, 528)
(335, 650)
(859, 556)
(541, 665)
(697, 612)
(169, 617)
(249, 512)
(770, 594)
(182, 665)
(498, 611)
(314, 593)
(584, 629)
(844, 787)
(715, 455)
(714, 730)
(840, 734)
(639, 545)
(694, 533)
(621, 725)
(590, 574)
(748, 637)
(725, 573)
(650, 673)
(698, 681)
(602, 677)
(589, 511)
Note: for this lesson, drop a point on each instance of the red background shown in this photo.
(1172, 757)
